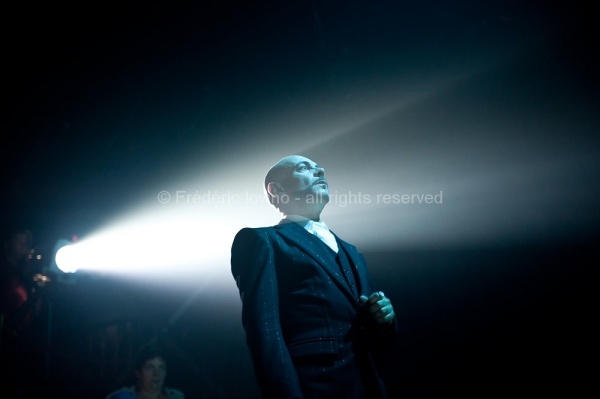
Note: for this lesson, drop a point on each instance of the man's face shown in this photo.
(303, 179)
(151, 376)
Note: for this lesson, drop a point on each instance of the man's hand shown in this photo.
(379, 307)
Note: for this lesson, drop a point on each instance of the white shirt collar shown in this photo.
(305, 222)
(319, 229)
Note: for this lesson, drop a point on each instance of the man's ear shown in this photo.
(275, 189)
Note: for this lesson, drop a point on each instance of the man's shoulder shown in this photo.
(249, 235)
(258, 229)
(263, 229)
(255, 230)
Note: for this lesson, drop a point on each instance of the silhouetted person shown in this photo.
(14, 293)
(15, 310)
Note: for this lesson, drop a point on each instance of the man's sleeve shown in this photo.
(253, 267)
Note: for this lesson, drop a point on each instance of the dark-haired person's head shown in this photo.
(16, 245)
(150, 370)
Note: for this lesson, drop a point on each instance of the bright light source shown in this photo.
(58, 264)
(65, 259)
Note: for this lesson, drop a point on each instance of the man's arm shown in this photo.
(383, 324)
(253, 267)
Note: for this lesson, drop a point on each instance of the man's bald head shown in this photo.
(278, 172)
(292, 180)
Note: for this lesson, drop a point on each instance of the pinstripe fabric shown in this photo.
(305, 329)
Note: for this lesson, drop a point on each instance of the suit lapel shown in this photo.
(357, 263)
(316, 249)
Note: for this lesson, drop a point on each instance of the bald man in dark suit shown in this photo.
(314, 325)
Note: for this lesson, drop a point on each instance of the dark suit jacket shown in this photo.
(306, 330)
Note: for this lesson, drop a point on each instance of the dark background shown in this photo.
(102, 97)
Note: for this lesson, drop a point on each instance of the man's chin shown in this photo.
(320, 197)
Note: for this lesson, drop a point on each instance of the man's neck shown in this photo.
(296, 217)
(312, 212)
